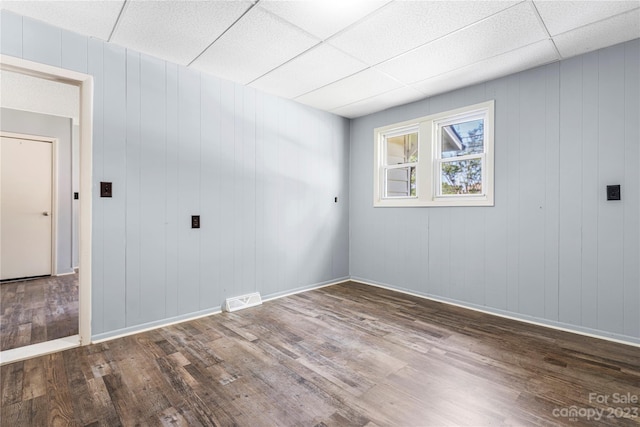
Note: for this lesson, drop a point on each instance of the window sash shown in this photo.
(438, 172)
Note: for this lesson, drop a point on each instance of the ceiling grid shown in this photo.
(350, 57)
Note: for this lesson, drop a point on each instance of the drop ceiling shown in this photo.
(349, 57)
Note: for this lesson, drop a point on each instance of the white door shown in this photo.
(25, 208)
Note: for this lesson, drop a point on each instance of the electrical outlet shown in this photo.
(106, 189)
(195, 221)
(613, 192)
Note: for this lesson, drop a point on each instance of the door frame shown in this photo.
(85, 83)
(54, 190)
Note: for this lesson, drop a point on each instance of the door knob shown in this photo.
(45, 213)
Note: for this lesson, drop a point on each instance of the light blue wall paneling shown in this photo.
(611, 142)
(631, 226)
(113, 164)
(552, 249)
(591, 193)
(177, 143)
(210, 182)
(73, 51)
(95, 67)
(570, 185)
(11, 34)
(41, 42)
(152, 170)
(172, 225)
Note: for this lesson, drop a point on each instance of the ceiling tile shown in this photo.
(90, 18)
(257, 44)
(534, 55)
(159, 28)
(561, 16)
(318, 67)
(605, 33)
(322, 18)
(405, 25)
(380, 102)
(508, 30)
(363, 85)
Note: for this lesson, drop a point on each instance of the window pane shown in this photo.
(402, 149)
(461, 177)
(460, 139)
(401, 182)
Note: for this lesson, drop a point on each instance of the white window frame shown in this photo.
(428, 185)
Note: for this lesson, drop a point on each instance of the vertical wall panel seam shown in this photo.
(518, 198)
(102, 177)
(559, 92)
(484, 216)
(581, 187)
(126, 187)
(597, 174)
(199, 258)
(166, 121)
(255, 191)
(178, 168)
(597, 266)
(139, 129)
(624, 175)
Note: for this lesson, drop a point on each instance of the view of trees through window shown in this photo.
(462, 145)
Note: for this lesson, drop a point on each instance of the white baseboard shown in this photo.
(574, 329)
(40, 349)
(199, 314)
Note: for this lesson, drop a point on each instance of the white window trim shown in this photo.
(426, 178)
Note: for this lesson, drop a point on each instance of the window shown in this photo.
(444, 159)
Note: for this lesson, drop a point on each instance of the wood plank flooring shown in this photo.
(38, 310)
(344, 355)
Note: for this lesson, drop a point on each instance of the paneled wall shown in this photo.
(552, 249)
(261, 171)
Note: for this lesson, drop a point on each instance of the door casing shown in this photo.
(85, 83)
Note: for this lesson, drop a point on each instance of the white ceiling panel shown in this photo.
(257, 44)
(323, 18)
(380, 102)
(363, 85)
(605, 33)
(352, 57)
(515, 61)
(562, 16)
(508, 30)
(175, 30)
(318, 67)
(92, 18)
(404, 25)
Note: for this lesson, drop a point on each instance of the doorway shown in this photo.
(85, 84)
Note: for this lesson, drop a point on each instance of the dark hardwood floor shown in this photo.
(38, 310)
(347, 354)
